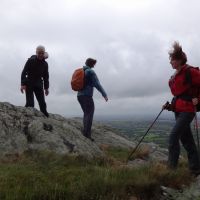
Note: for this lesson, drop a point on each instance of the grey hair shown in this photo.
(40, 48)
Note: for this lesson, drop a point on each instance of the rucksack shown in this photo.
(188, 80)
(78, 79)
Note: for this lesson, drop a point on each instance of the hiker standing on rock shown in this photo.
(184, 85)
(88, 80)
(35, 79)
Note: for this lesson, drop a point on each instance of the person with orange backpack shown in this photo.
(84, 80)
(184, 85)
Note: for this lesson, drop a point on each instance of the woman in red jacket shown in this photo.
(184, 85)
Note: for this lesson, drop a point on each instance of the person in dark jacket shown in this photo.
(85, 96)
(186, 97)
(35, 79)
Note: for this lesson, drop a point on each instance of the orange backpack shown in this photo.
(78, 79)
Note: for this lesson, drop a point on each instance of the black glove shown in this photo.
(167, 106)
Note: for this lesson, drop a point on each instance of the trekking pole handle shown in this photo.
(165, 105)
(197, 131)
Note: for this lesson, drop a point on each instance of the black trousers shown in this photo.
(87, 105)
(39, 94)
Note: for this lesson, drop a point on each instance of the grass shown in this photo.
(121, 154)
(47, 176)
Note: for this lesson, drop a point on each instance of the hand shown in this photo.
(106, 99)
(195, 101)
(46, 91)
(23, 88)
(167, 106)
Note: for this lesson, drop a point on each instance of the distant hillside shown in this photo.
(135, 129)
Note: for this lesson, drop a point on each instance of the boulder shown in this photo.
(23, 129)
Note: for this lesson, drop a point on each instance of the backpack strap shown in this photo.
(188, 80)
(188, 76)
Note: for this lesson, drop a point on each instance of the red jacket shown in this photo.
(179, 86)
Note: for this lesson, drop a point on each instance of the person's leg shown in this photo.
(89, 116)
(183, 120)
(82, 104)
(190, 146)
(87, 105)
(39, 93)
(29, 97)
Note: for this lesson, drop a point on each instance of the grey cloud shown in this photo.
(130, 40)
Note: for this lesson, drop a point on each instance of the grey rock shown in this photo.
(187, 193)
(23, 129)
(157, 153)
(137, 163)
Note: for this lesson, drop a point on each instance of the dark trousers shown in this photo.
(39, 94)
(182, 131)
(87, 105)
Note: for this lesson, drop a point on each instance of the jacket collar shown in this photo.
(86, 67)
(182, 69)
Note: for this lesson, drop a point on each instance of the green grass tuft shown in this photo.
(47, 176)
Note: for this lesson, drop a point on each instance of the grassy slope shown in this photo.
(39, 175)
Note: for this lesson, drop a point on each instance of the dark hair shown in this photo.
(177, 53)
(90, 62)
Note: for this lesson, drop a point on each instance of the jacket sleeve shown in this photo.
(46, 77)
(25, 73)
(97, 85)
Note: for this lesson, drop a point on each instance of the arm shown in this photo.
(195, 80)
(24, 77)
(46, 77)
(25, 74)
(97, 85)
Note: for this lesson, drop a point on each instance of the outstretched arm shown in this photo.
(97, 85)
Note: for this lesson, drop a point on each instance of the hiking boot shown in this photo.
(45, 113)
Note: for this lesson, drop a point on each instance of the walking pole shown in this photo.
(134, 150)
(197, 131)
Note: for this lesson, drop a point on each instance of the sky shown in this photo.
(129, 38)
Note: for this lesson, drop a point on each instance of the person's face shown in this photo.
(93, 65)
(176, 64)
(40, 54)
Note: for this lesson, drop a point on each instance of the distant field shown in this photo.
(136, 129)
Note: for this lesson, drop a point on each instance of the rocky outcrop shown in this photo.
(23, 129)
(187, 193)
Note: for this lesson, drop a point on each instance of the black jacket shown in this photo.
(35, 73)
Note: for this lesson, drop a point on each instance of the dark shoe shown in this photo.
(46, 113)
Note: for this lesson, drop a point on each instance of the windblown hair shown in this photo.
(177, 53)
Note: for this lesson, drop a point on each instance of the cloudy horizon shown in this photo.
(129, 38)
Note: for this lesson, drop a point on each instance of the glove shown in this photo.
(167, 106)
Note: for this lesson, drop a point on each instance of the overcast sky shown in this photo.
(129, 38)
